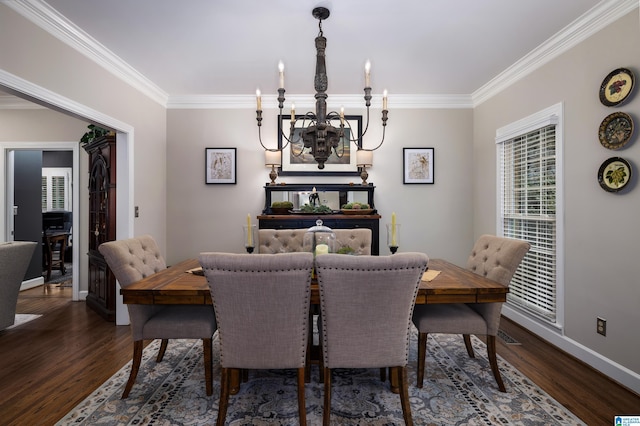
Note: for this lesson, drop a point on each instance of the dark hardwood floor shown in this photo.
(49, 365)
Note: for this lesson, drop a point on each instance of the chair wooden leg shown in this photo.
(404, 396)
(162, 350)
(135, 366)
(422, 354)
(208, 365)
(467, 344)
(326, 410)
(302, 407)
(224, 396)
(493, 361)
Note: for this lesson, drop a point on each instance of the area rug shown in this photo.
(458, 390)
(23, 319)
(62, 280)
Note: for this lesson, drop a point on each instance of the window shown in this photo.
(56, 189)
(529, 190)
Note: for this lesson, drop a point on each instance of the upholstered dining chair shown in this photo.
(366, 304)
(262, 307)
(131, 260)
(358, 240)
(493, 257)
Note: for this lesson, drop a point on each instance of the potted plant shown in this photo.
(281, 207)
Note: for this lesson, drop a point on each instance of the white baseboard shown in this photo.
(612, 369)
(34, 282)
(83, 295)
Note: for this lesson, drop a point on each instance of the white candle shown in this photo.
(249, 232)
(342, 115)
(384, 99)
(258, 100)
(281, 69)
(293, 113)
(322, 249)
(367, 74)
(394, 241)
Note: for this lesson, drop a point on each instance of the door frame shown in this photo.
(125, 172)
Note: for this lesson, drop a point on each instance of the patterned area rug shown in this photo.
(458, 390)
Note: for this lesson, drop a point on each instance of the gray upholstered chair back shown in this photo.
(15, 257)
(496, 258)
(366, 307)
(132, 260)
(262, 307)
(292, 240)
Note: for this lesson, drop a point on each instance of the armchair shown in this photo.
(15, 257)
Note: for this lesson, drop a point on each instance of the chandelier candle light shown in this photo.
(317, 135)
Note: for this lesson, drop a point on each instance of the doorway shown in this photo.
(11, 227)
(24, 89)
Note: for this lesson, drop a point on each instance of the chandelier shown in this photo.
(314, 132)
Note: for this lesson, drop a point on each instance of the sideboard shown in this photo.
(336, 194)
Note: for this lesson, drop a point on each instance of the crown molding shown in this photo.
(597, 18)
(47, 18)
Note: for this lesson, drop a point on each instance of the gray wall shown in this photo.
(435, 219)
(601, 230)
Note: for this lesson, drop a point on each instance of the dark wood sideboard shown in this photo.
(342, 193)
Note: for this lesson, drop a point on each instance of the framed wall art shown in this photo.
(220, 165)
(417, 166)
(298, 161)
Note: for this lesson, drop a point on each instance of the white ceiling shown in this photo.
(232, 47)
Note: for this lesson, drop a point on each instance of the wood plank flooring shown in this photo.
(49, 365)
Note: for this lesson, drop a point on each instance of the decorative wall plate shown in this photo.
(615, 130)
(614, 174)
(616, 87)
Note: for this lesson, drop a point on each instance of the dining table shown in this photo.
(442, 282)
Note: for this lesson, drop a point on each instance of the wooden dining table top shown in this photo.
(175, 285)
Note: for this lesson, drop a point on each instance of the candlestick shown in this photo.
(394, 239)
(249, 232)
(249, 237)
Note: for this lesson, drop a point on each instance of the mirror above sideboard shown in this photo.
(331, 195)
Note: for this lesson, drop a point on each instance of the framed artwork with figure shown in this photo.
(417, 166)
(220, 165)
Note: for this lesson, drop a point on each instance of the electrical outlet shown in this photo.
(601, 326)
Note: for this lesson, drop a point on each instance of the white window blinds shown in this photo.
(527, 180)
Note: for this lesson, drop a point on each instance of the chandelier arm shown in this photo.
(384, 130)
